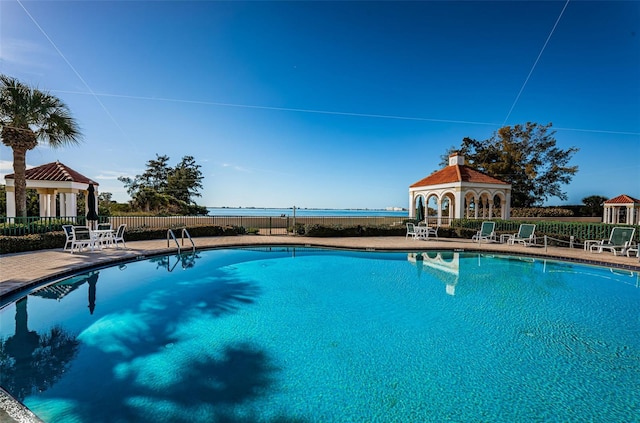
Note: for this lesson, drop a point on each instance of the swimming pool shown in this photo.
(302, 334)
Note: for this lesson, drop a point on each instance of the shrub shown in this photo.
(541, 212)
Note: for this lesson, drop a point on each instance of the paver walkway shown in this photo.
(26, 270)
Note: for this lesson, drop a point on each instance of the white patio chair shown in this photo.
(424, 231)
(68, 232)
(119, 236)
(411, 231)
(81, 238)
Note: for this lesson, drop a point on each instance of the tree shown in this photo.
(104, 203)
(593, 205)
(185, 180)
(526, 157)
(28, 117)
(163, 189)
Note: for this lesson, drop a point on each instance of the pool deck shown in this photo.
(23, 271)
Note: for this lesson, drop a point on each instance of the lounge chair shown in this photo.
(525, 236)
(620, 240)
(486, 232)
(81, 238)
(119, 236)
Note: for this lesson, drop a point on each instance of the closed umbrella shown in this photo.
(420, 210)
(92, 215)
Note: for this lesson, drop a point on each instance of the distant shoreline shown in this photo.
(289, 211)
(307, 208)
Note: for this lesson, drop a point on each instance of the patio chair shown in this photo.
(104, 226)
(633, 250)
(119, 236)
(424, 231)
(81, 238)
(68, 232)
(486, 232)
(620, 240)
(411, 231)
(525, 236)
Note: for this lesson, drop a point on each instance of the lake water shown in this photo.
(250, 211)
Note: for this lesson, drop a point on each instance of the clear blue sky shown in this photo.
(328, 104)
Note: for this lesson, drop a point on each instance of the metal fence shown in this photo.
(265, 225)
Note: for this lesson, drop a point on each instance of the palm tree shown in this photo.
(29, 116)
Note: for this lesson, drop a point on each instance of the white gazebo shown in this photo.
(622, 209)
(52, 180)
(459, 191)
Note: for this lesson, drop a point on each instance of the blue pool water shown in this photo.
(306, 335)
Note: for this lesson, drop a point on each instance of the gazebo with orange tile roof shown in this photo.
(462, 191)
(622, 209)
(49, 180)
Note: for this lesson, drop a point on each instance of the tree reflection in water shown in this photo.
(31, 362)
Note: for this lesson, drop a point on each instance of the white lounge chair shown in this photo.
(525, 236)
(486, 232)
(620, 240)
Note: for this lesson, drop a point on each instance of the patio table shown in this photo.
(101, 237)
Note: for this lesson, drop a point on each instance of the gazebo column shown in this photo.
(10, 195)
(458, 205)
(439, 211)
(47, 199)
(491, 208)
(52, 204)
(68, 204)
(412, 205)
(475, 207)
(43, 200)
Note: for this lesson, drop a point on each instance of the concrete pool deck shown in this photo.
(22, 271)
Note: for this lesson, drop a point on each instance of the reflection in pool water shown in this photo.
(299, 334)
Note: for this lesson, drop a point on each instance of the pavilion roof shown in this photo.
(457, 173)
(54, 171)
(623, 199)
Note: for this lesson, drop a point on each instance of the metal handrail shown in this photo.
(170, 232)
(184, 231)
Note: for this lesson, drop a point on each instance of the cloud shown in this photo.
(6, 168)
(236, 167)
(23, 53)
(109, 175)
